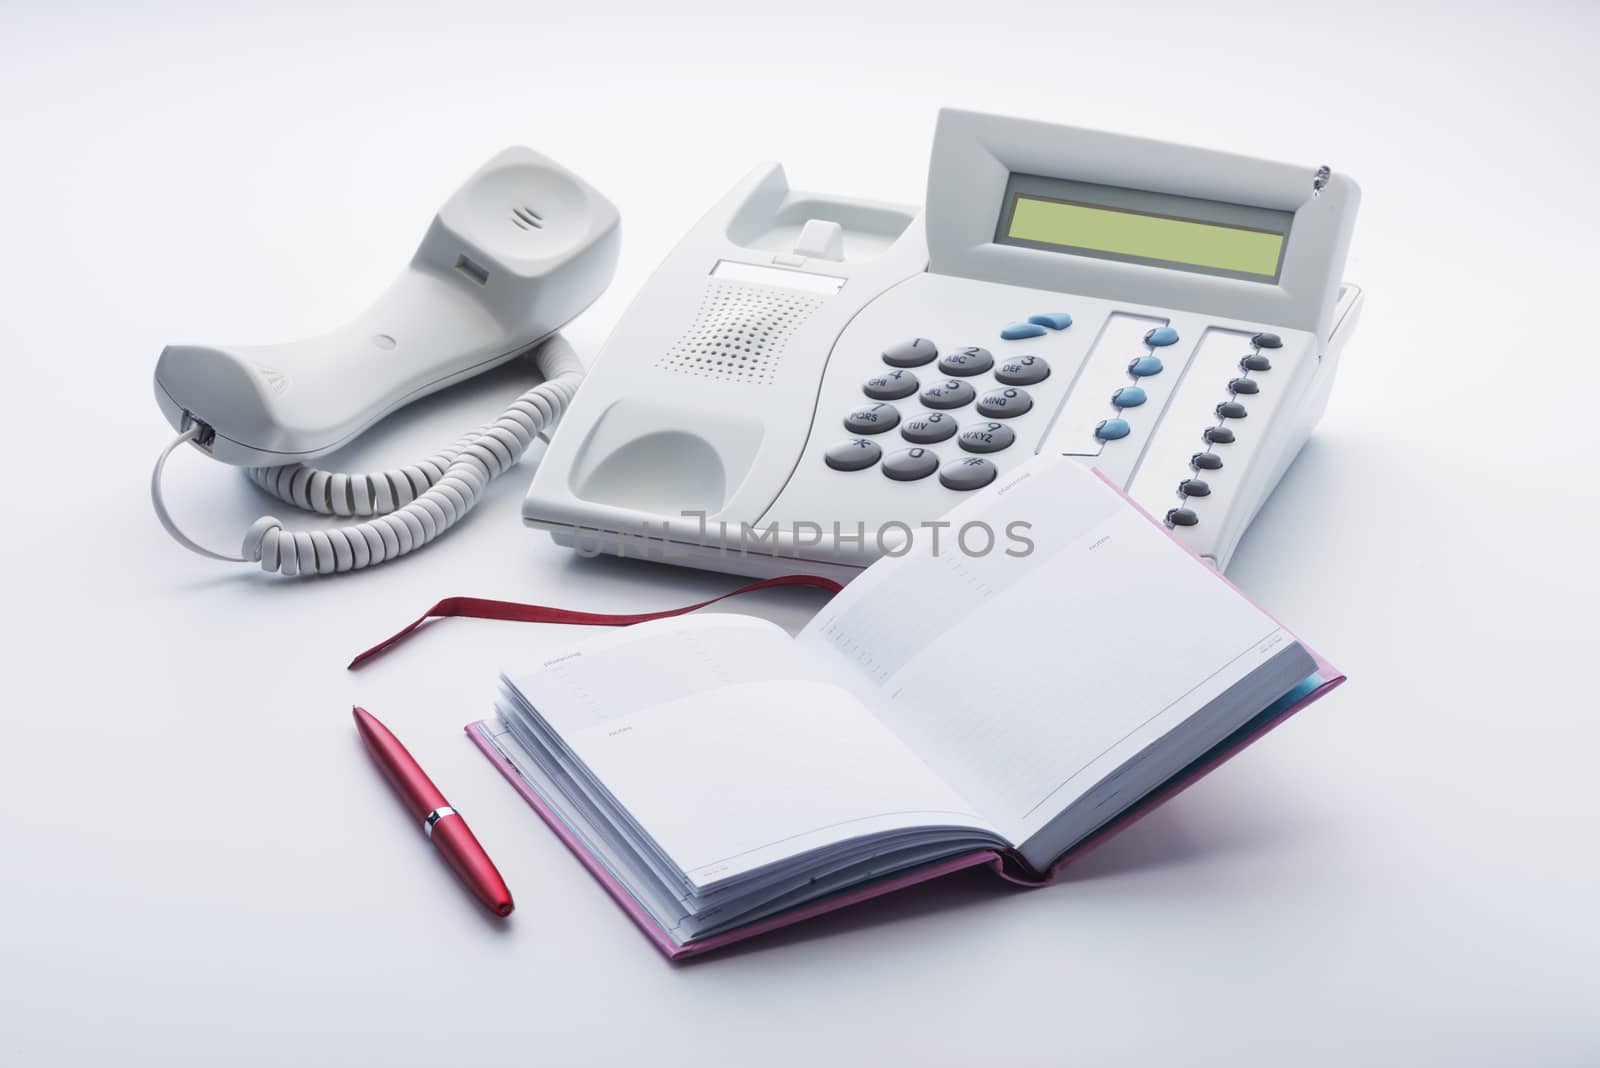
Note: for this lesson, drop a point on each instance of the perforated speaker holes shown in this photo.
(740, 332)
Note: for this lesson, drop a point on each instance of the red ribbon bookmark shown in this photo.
(513, 612)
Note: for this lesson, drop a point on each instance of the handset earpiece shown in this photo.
(515, 254)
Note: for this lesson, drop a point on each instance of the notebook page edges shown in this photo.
(722, 752)
(667, 920)
(1027, 678)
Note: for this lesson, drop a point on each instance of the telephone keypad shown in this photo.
(908, 465)
(872, 419)
(855, 454)
(963, 367)
(929, 428)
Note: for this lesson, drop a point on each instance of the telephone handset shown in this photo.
(516, 253)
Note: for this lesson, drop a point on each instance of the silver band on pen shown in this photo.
(434, 817)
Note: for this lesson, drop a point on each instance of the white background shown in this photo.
(198, 865)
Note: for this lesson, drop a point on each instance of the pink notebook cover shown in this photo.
(1327, 677)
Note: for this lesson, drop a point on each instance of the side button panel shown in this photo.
(1209, 428)
(1116, 403)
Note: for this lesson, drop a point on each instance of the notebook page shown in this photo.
(1022, 680)
(621, 671)
(728, 749)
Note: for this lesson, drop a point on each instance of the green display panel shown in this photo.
(1146, 237)
(1138, 226)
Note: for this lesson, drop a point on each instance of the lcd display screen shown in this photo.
(1149, 228)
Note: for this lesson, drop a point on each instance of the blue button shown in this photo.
(1145, 366)
(1128, 397)
(1054, 320)
(1112, 429)
(1161, 335)
(1018, 331)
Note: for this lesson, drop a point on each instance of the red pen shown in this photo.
(442, 824)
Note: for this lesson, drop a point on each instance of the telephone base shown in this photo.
(1168, 315)
(724, 559)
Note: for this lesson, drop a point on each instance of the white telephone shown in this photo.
(807, 379)
(515, 254)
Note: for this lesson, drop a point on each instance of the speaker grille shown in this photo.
(740, 332)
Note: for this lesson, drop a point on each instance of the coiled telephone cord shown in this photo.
(409, 506)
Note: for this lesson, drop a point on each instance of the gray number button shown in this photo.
(1005, 403)
(1022, 371)
(967, 361)
(973, 472)
(987, 437)
(853, 455)
(908, 465)
(929, 428)
(872, 419)
(913, 353)
(891, 385)
(951, 393)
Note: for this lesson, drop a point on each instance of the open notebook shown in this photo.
(722, 777)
